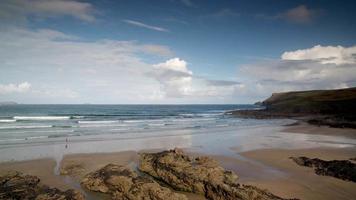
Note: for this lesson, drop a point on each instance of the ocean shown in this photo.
(31, 123)
(52, 131)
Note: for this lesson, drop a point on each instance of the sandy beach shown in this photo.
(266, 168)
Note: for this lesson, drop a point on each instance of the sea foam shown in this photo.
(41, 118)
(7, 120)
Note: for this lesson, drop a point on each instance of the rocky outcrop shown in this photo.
(201, 175)
(334, 108)
(342, 169)
(123, 183)
(16, 185)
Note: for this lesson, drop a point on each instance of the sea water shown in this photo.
(33, 123)
(52, 131)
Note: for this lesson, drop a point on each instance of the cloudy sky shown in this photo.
(173, 51)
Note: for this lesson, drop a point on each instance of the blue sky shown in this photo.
(173, 51)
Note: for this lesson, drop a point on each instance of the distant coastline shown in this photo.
(334, 108)
(4, 103)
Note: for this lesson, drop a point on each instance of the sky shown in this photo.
(173, 51)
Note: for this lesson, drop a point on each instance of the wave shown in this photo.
(194, 119)
(156, 124)
(222, 125)
(197, 115)
(135, 121)
(62, 126)
(36, 137)
(7, 120)
(41, 118)
(77, 117)
(12, 139)
(98, 122)
(25, 127)
(101, 125)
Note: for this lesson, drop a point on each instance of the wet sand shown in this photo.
(265, 168)
(43, 168)
(302, 182)
(305, 128)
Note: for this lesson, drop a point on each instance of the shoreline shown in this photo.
(269, 169)
(328, 120)
(306, 128)
(266, 168)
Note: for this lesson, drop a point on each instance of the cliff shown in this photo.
(324, 102)
(335, 108)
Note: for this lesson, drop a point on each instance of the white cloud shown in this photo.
(21, 9)
(143, 25)
(174, 64)
(319, 67)
(14, 88)
(324, 54)
(174, 77)
(64, 69)
(156, 49)
(103, 71)
(177, 81)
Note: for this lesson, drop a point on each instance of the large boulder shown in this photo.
(124, 184)
(201, 175)
(16, 185)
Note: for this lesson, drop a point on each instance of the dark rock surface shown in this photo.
(16, 185)
(123, 183)
(341, 169)
(333, 121)
(201, 175)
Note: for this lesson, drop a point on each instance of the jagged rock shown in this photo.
(201, 175)
(123, 183)
(342, 169)
(16, 185)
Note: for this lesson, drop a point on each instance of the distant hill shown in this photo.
(335, 108)
(325, 102)
(8, 103)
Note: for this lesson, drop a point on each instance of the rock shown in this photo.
(16, 185)
(201, 175)
(342, 169)
(123, 183)
(72, 169)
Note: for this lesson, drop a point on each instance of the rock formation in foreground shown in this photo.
(342, 169)
(124, 184)
(16, 185)
(201, 175)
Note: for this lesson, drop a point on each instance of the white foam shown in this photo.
(201, 114)
(36, 137)
(40, 118)
(135, 121)
(101, 125)
(77, 117)
(222, 125)
(156, 124)
(23, 127)
(98, 122)
(7, 120)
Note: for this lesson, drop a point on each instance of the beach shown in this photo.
(259, 155)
